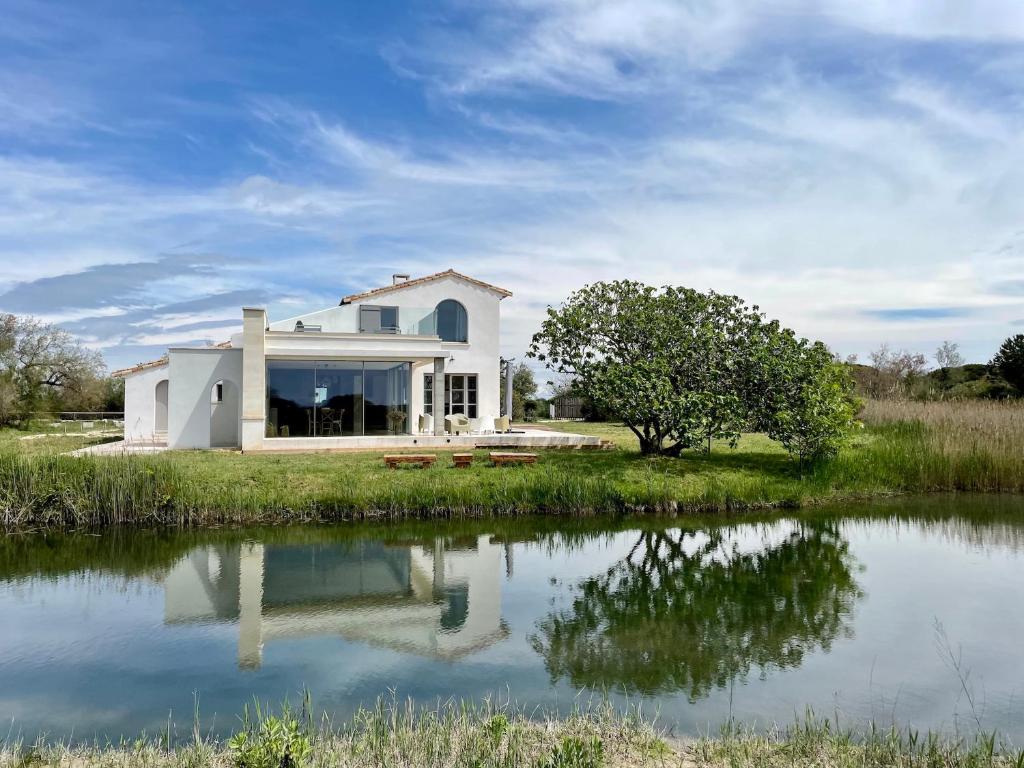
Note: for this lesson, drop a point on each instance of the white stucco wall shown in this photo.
(479, 355)
(140, 403)
(193, 372)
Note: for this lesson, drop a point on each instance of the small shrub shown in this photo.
(496, 727)
(575, 752)
(271, 742)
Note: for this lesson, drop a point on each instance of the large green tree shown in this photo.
(1009, 361)
(681, 368)
(668, 361)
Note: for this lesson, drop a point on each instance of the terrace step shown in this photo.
(500, 459)
(422, 460)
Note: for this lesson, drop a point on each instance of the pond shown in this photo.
(909, 611)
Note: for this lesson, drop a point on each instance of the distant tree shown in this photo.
(524, 388)
(948, 355)
(893, 373)
(1009, 361)
(39, 360)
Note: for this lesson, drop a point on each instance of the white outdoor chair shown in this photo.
(456, 423)
(476, 425)
(426, 423)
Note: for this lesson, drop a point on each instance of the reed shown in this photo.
(812, 741)
(939, 446)
(904, 447)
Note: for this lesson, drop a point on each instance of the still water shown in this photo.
(885, 612)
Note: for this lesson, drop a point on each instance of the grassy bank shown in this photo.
(903, 448)
(459, 734)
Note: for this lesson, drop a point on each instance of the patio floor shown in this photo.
(522, 437)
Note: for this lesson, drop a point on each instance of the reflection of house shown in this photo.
(430, 600)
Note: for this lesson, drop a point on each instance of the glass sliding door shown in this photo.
(339, 388)
(386, 398)
(337, 398)
(291, 398)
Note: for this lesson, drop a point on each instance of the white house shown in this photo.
(357, 374)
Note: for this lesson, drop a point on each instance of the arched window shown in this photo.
(452, 324)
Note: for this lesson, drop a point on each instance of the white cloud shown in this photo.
(821, 196)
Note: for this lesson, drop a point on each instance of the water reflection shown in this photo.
(689, 610)
(439, 599)
(105, 635)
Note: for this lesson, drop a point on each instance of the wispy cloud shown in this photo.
(854, 168)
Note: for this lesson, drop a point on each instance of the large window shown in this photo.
(452, 324)
(378, 319)
(459, 394)
(337, 398)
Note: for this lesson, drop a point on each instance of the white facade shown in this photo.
(141, 404)
(253, 393)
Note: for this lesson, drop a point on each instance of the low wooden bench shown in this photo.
(462, 460)
(499, 459)
(420, 459)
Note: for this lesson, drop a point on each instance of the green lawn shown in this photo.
(43, 439)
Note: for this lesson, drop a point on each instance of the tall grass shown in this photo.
(392, 733)
(457, 734)
(939, 446)
(63, 491)
(905, 447)
(815, 742)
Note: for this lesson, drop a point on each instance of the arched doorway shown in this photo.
(224, 414)
(160, 413)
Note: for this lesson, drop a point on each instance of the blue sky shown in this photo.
(854, 168)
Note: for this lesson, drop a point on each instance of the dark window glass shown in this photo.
(451, 321)
(378, 319)
(291, 389)
(335, 398)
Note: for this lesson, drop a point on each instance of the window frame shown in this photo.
(469, 404)
(378, 310)
(460, 307)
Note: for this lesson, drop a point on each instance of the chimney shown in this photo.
(399, 279)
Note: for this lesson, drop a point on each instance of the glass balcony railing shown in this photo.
(417, 322)
(400, 321)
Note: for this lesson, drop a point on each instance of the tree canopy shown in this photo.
(1009, 361)
(39, 361)
(681, 368)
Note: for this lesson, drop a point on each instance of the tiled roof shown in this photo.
(122, 372)
(419, 281)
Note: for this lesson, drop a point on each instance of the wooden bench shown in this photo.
(499, 459)
(420, 459)
(462, 460)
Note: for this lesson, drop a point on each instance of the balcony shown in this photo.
(375, 319)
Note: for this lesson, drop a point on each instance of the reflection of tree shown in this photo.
(688, 611)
